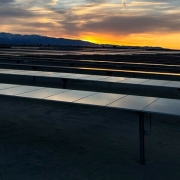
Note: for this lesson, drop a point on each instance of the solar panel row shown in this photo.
(121, 101)
(125, 80)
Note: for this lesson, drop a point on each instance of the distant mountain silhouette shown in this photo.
(8, 38)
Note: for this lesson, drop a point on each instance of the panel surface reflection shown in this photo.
(113, 79)
(77, 76)
(166, 106)
(30, 71)
(100, 99)
(47, 73)
(134, 81)
(40, 74)
(4, 70)
(5, 86)
(42, 93)
(17, 72)
(174, 84)
(59, 75)
(70, 96)
(155, 82)
(10, 72)
(18, 90)
(133, 102)
(94, 77)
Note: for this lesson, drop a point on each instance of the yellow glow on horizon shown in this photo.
(156, 40)
(170, 40)
(89, 39)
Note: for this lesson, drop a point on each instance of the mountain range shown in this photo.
(8, 38)
(18, 39)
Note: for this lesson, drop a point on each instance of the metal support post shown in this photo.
(141, 138)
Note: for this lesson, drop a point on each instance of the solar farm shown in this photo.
(121, 96)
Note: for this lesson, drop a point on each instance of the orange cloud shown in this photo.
(141, 23)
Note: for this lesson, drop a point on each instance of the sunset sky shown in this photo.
(134, 22)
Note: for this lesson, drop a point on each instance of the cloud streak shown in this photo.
(91, 19)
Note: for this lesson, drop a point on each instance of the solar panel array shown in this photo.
(120, 101)
(125, 80)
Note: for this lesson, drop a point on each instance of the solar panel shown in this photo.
(18, 90)
(100, 99)
(76, 76)
(134, 81)
(42, 93)
(113, 79)
(174, 84)
(70, 96)
(40, 73)
(5, 86)
(164, 106)
(4, 70)
(32, 72)
(45, 73)
(20, 72)
(155, 82)
(132, 102)
(122, 101)
(150, 82)
(59, 75)
(94, 77)
(13, 72)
